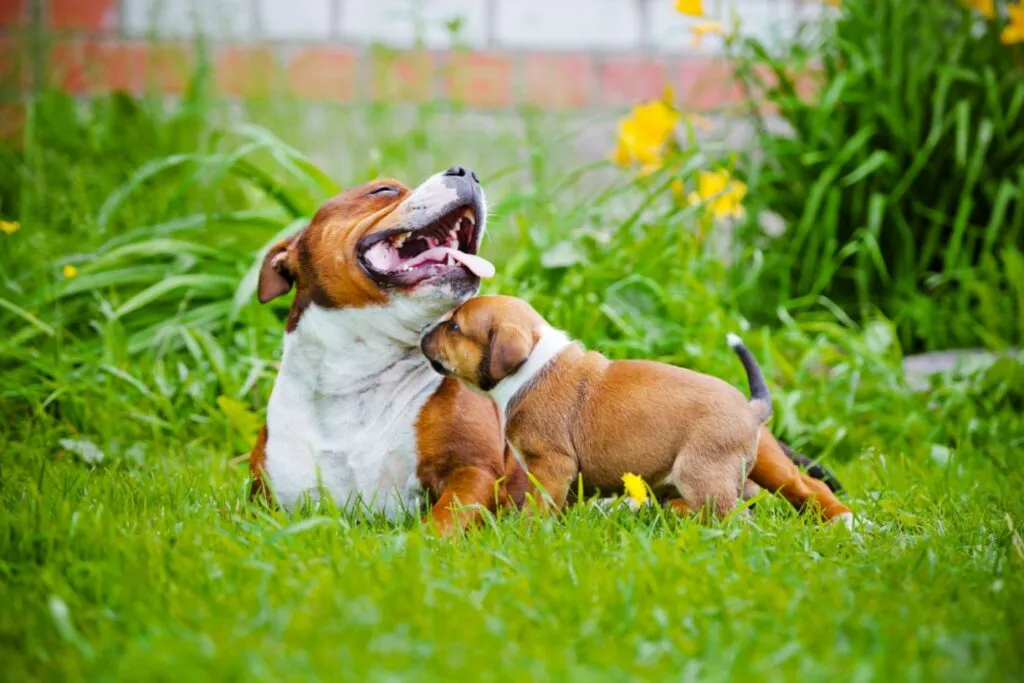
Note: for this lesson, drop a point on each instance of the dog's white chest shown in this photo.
(342, 416)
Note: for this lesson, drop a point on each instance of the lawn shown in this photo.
(164, 572)
(130, 329)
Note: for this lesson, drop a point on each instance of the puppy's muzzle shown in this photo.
(426, 346)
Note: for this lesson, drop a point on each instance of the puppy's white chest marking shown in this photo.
(342, 414)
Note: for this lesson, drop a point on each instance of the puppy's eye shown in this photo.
(384, 189)
(453, 326)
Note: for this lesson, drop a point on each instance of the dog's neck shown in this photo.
(348, 350)
(551, 343)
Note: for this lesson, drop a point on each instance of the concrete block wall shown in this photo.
(487, 54)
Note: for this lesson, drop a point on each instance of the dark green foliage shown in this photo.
(901, 179)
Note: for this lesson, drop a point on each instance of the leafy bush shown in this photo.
(900, 181)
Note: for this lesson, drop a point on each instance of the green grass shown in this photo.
(150, 564)
(163, 572)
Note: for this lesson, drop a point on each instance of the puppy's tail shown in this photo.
(760, 397)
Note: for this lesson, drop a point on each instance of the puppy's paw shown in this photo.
(845, 519)
(851, 522)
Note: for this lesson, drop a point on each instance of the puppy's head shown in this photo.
(483, 341)
(381, 242)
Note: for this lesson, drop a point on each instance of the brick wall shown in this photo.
(555, 54)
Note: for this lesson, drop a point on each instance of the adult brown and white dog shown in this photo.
(356, 410)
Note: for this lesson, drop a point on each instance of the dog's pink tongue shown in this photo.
(477, 265)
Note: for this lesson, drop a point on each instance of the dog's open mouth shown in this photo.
(407, 257)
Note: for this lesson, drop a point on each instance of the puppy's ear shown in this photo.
(278, 272)
(509, 349)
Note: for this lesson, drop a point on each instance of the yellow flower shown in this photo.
(724, 196)
(9, 227)
(987, 8)
(621, 156)
(1014, 30)
(704, 28)
(70, 271)
(635, 487)
(693, 8)
(643, 135)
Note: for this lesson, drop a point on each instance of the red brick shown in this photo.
(480, 79)
(88, 15)
(93, 66)
(324, 73)
(65, 68)
(13, 13)
(114, 64)
(706, 84)
(165, 67)
(628, 80)
(104, 65)
(246, 72)
(402, 77)
(13, 75)
(556, 81)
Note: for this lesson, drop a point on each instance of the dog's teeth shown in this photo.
(398, 240)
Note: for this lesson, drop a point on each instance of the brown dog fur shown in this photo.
(583, 415)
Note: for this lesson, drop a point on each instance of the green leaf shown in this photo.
(243, 421)
(212, 284)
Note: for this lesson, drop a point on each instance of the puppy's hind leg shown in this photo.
(708, 485)
(774, 471)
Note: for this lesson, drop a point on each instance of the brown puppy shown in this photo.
(570, 412)
(356, 412)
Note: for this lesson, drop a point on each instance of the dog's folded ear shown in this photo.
(510, 347)
(278, 272)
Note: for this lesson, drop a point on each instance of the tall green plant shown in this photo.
(900, 180)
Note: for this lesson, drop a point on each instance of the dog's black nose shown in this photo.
(461, 172)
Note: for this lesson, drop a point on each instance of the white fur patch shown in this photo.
(343, 410)
(846, 519)
(550, 344)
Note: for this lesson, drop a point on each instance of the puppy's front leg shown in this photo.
(468, 491)
(551, 474)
